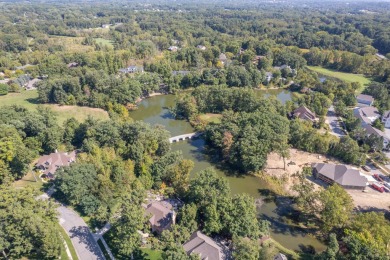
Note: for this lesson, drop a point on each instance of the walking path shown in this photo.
(99, 235)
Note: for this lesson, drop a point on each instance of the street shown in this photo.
(334, 123)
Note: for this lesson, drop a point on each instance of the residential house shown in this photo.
(162, 215)
(132, 69)
(222, 58)
(280, 256)
(386, 118)
(203, 246)
(49, 164)
(268, 76)
(347, 177)
(72, 65)
(106, 26)
(304, 113)
(374, 131)
(202, 47)
(367, 115)
(173, 48)
(31, 84)
(365, 99)
(180, 72)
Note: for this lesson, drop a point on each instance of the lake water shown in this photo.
(155, 110)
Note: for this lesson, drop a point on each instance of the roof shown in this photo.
(280, 256)
(304, 113)
(364, 97)
(341, 174)
(31, 83)
(222, 57)
(132, 68)
(359, 114)
(370, 112)
(386, 114)
(72, 64)
(161, 215)
(180, 72)
(52, 161)
(204, 246)
(372, 130)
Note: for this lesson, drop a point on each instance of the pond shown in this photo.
(155, 110)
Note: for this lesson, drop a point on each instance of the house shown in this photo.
(173, 48)
(132, 69)
(280, 256)
(180, 72)
(162, 215)
(201, 47)
(222, 58)
(72, 65)
(203, 246)
(268, 76)
(365, 99)
(347, 177)
(49, 164)
(106, 26)
(386, 118)
(374, 131)
(367, 115)
(304, 113)
(31, 84)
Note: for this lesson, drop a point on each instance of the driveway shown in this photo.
(334, 123)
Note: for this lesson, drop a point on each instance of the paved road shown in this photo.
(78, 231)
(333, 121)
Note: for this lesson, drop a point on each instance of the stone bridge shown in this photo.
(184, 137)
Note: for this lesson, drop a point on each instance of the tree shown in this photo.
(29, 227)
(178, 175)
(245, 249)
(336, 207)
(332, 250)
(3, 89)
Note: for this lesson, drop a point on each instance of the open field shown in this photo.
(151, 254)
(104, 42)
(211, 118)
(29, 100)
(70, 44)
(348, 77)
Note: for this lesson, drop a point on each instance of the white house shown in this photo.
(386, 118)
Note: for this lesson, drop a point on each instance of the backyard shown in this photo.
(29, 99)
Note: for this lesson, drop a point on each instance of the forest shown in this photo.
(215, 57)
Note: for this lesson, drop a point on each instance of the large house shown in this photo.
(365, 99)
(374, 131)
(49, 164)
(367, 115)
(386, 118)
(132, 69)
(203, 246)
(162, 215)
(304, 113)
(345, 176)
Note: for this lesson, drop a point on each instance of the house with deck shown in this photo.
(203, 246)
(48, 164)
(343, 175)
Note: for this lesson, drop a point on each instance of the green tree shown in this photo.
(245, 249)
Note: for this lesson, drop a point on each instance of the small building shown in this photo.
(132, 69)
(380, 134)
(72, 65)
(280, 256)
(180, 72)
(304, 113)
(49, 164)
(346, 177)
(222, 58)
(106, 26)
(365, 99)
(367, 115)
(201, 47)
(268, 76)
(386, 118)
(31, 84)
(173, 48)
(203, 246)
(162, 215)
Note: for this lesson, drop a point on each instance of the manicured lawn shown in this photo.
(348, 77)
(29, 180)
(69, 244)
(104, 42)
(152, 254)
(211, 118)
(29, 99)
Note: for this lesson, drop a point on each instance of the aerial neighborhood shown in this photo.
(183, 130)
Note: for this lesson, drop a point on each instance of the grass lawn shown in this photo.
(348, 77)
(29, 100)
(104, 42)
(151, 254)
(70, 44)
(29, 180)
(211, 118)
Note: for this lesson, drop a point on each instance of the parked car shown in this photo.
(378, 177)
(387, 184)
(378, 188)
(366, 168)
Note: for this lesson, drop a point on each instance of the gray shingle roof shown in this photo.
(341, 174)
(204, 246)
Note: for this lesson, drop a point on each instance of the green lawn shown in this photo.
(348, 77)
(104, 42)
(69, 244)
(211, 118)
(29, 99)
(151, 254)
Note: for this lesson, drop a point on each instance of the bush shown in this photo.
(3, 89)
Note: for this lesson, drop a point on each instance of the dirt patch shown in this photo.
(371, 200)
